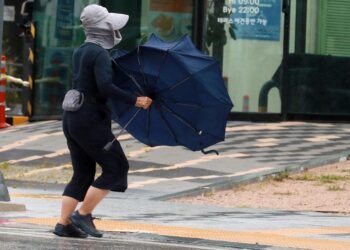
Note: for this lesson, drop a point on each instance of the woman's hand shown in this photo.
(143, 102)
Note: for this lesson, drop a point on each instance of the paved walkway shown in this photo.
(250, 150)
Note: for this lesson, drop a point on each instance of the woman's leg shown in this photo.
(82, 218)
(93, 197)
(64, 227)
(68, 206)
(84, 168)
(113, 177)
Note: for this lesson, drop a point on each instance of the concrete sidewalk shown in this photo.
(157, 174)
(135, 212)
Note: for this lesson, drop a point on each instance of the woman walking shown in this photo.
(88, 129)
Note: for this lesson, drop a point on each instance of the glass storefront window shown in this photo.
(246, 37)
(168, 19)
(12, 49)
(318, 78)
(58, 33)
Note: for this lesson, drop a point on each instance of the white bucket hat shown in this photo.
(96, 16)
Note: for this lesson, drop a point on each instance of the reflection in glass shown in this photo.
(58, 33)
(318, 78)
(246, 37)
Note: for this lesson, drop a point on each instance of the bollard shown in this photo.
(4, 193)
(3, 123)
(245, 103)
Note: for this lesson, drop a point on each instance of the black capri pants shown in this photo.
(87, 131)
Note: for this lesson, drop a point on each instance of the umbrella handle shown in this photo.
(109, 145)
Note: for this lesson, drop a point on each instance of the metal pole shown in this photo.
(4, 194)
(1, 23)
(300, 22)
(198, 20)
(284, 71)
(220, 41)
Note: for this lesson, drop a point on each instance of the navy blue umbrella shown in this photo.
(190, 101)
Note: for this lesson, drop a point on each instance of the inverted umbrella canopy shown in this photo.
(190, 102)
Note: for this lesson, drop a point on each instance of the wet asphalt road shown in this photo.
(32, 237)
(45, 243)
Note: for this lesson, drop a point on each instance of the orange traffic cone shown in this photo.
(3, 123)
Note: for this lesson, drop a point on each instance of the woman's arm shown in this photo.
(104, 75)
(104, 79)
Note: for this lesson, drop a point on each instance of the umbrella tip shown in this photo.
(210, 151)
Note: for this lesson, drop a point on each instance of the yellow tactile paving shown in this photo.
(306, 123)
(266, 140)
(136, 153)
(50, 155)
(124, 137)
(189, 163)
(188, 178)
(292, 123)
(265, 144)
(37, 196)
(325, 230)
(38, 171)
(321, 138)
(255, 127)
(31, 138)
(280, 238)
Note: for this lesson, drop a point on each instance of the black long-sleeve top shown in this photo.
(92, 74)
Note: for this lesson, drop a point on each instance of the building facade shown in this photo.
(281, 59)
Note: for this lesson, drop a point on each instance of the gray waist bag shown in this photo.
(73, 100)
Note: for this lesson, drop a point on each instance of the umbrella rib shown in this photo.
(169, 50)
(148, 127)
(168, 126)
(179, 118)
(176, 44)
(161, 65)
(175, 85)
(188, 104)
(130, 76)
(184, 80)
(141, 66)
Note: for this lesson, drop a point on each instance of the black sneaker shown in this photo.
(85, 223)
(69, 230)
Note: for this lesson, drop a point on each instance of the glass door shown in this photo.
(246, 37)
